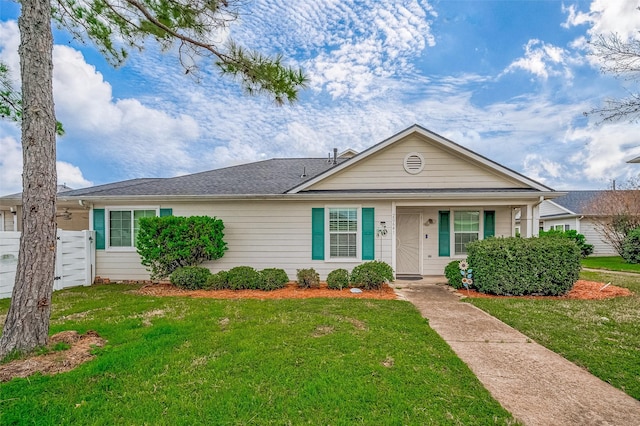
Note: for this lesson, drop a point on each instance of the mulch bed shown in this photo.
(291, 291)
(582, 290)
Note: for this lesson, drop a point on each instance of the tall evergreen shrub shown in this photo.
(168, 243)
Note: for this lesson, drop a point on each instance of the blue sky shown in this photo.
(507, 79)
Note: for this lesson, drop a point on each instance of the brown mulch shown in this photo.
(582, 290)
(57, 361)
(291, 291)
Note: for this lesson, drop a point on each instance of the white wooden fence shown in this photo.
(75, 260)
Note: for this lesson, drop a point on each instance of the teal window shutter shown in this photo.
(444, 240)
(317, 233)
(489, 223)
(368, 233)
(166, 212)
(98, 226)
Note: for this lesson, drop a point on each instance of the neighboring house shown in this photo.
(572, 211)
(414, 201)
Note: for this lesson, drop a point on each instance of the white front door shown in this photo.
(408, 243)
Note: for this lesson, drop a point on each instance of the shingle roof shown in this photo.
(577, 201)
(268, 177)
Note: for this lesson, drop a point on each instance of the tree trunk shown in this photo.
(27, 323)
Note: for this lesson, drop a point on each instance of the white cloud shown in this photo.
(348, 48)
(605, 150)
(10, 166)
(71, 176)
(606, 17)
(11, 169)
(543, 60)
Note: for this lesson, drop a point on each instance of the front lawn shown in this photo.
(612, 263)
(203, 361)
(602, 336)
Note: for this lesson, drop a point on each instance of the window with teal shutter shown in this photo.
(489, 223)
(444, 240)
(368, 233)
(166, 212)
(317, 234)
(98, 227)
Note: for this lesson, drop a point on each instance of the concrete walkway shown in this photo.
(538, 386)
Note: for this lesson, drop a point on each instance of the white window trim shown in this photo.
(107, 225)
(452, 237)
(327, 234)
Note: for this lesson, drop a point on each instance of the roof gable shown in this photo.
(447, 166)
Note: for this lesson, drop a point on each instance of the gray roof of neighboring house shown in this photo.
(269, 177)
(577, 201)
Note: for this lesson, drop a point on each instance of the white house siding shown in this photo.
(548, 208)
(432, 264)
(600, 247)
(443, 169)
(261, 234)
(572, 222)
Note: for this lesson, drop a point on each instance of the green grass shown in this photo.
(601, 336)
(230, 362)
(612, 263)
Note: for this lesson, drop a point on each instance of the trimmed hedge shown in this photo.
(371, 275)
(190, 277)
(453, 275)
(244, 278)
(522, 266)
(308, 278)
(274, 278)
(631, 247)
(218, 281)
(338, 279)
(572, 234)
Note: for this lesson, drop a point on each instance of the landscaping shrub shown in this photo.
(308, 278)
(168, 243)
(453, 275)
(338, 279)
(244, 277)
(190, 277)
(218, 281)
(274, 278)
(572, 234)
(520, 266)
(631, 247)
(371, 275)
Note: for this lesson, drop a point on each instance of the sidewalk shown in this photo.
(536, 385)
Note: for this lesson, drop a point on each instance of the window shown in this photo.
(124, 226)
(343, 232)
(466, 228)
(558, 227)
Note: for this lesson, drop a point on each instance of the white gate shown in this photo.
(75, 260)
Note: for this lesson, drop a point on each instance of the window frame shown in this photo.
(107, 225)
(327, 233)
(480, 231)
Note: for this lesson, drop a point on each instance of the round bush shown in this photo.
(218, 281)
(274, 278)
(452, 272)
(308, 278)
(190, 277)
(371, 275)
(631, 246)
(244, 277)
(338, 279)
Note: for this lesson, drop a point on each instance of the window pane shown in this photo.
(461, 240)
(466, 221)
(343, 228)
(120, 228)
(137, 214)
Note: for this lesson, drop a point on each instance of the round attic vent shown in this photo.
(413, 163)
